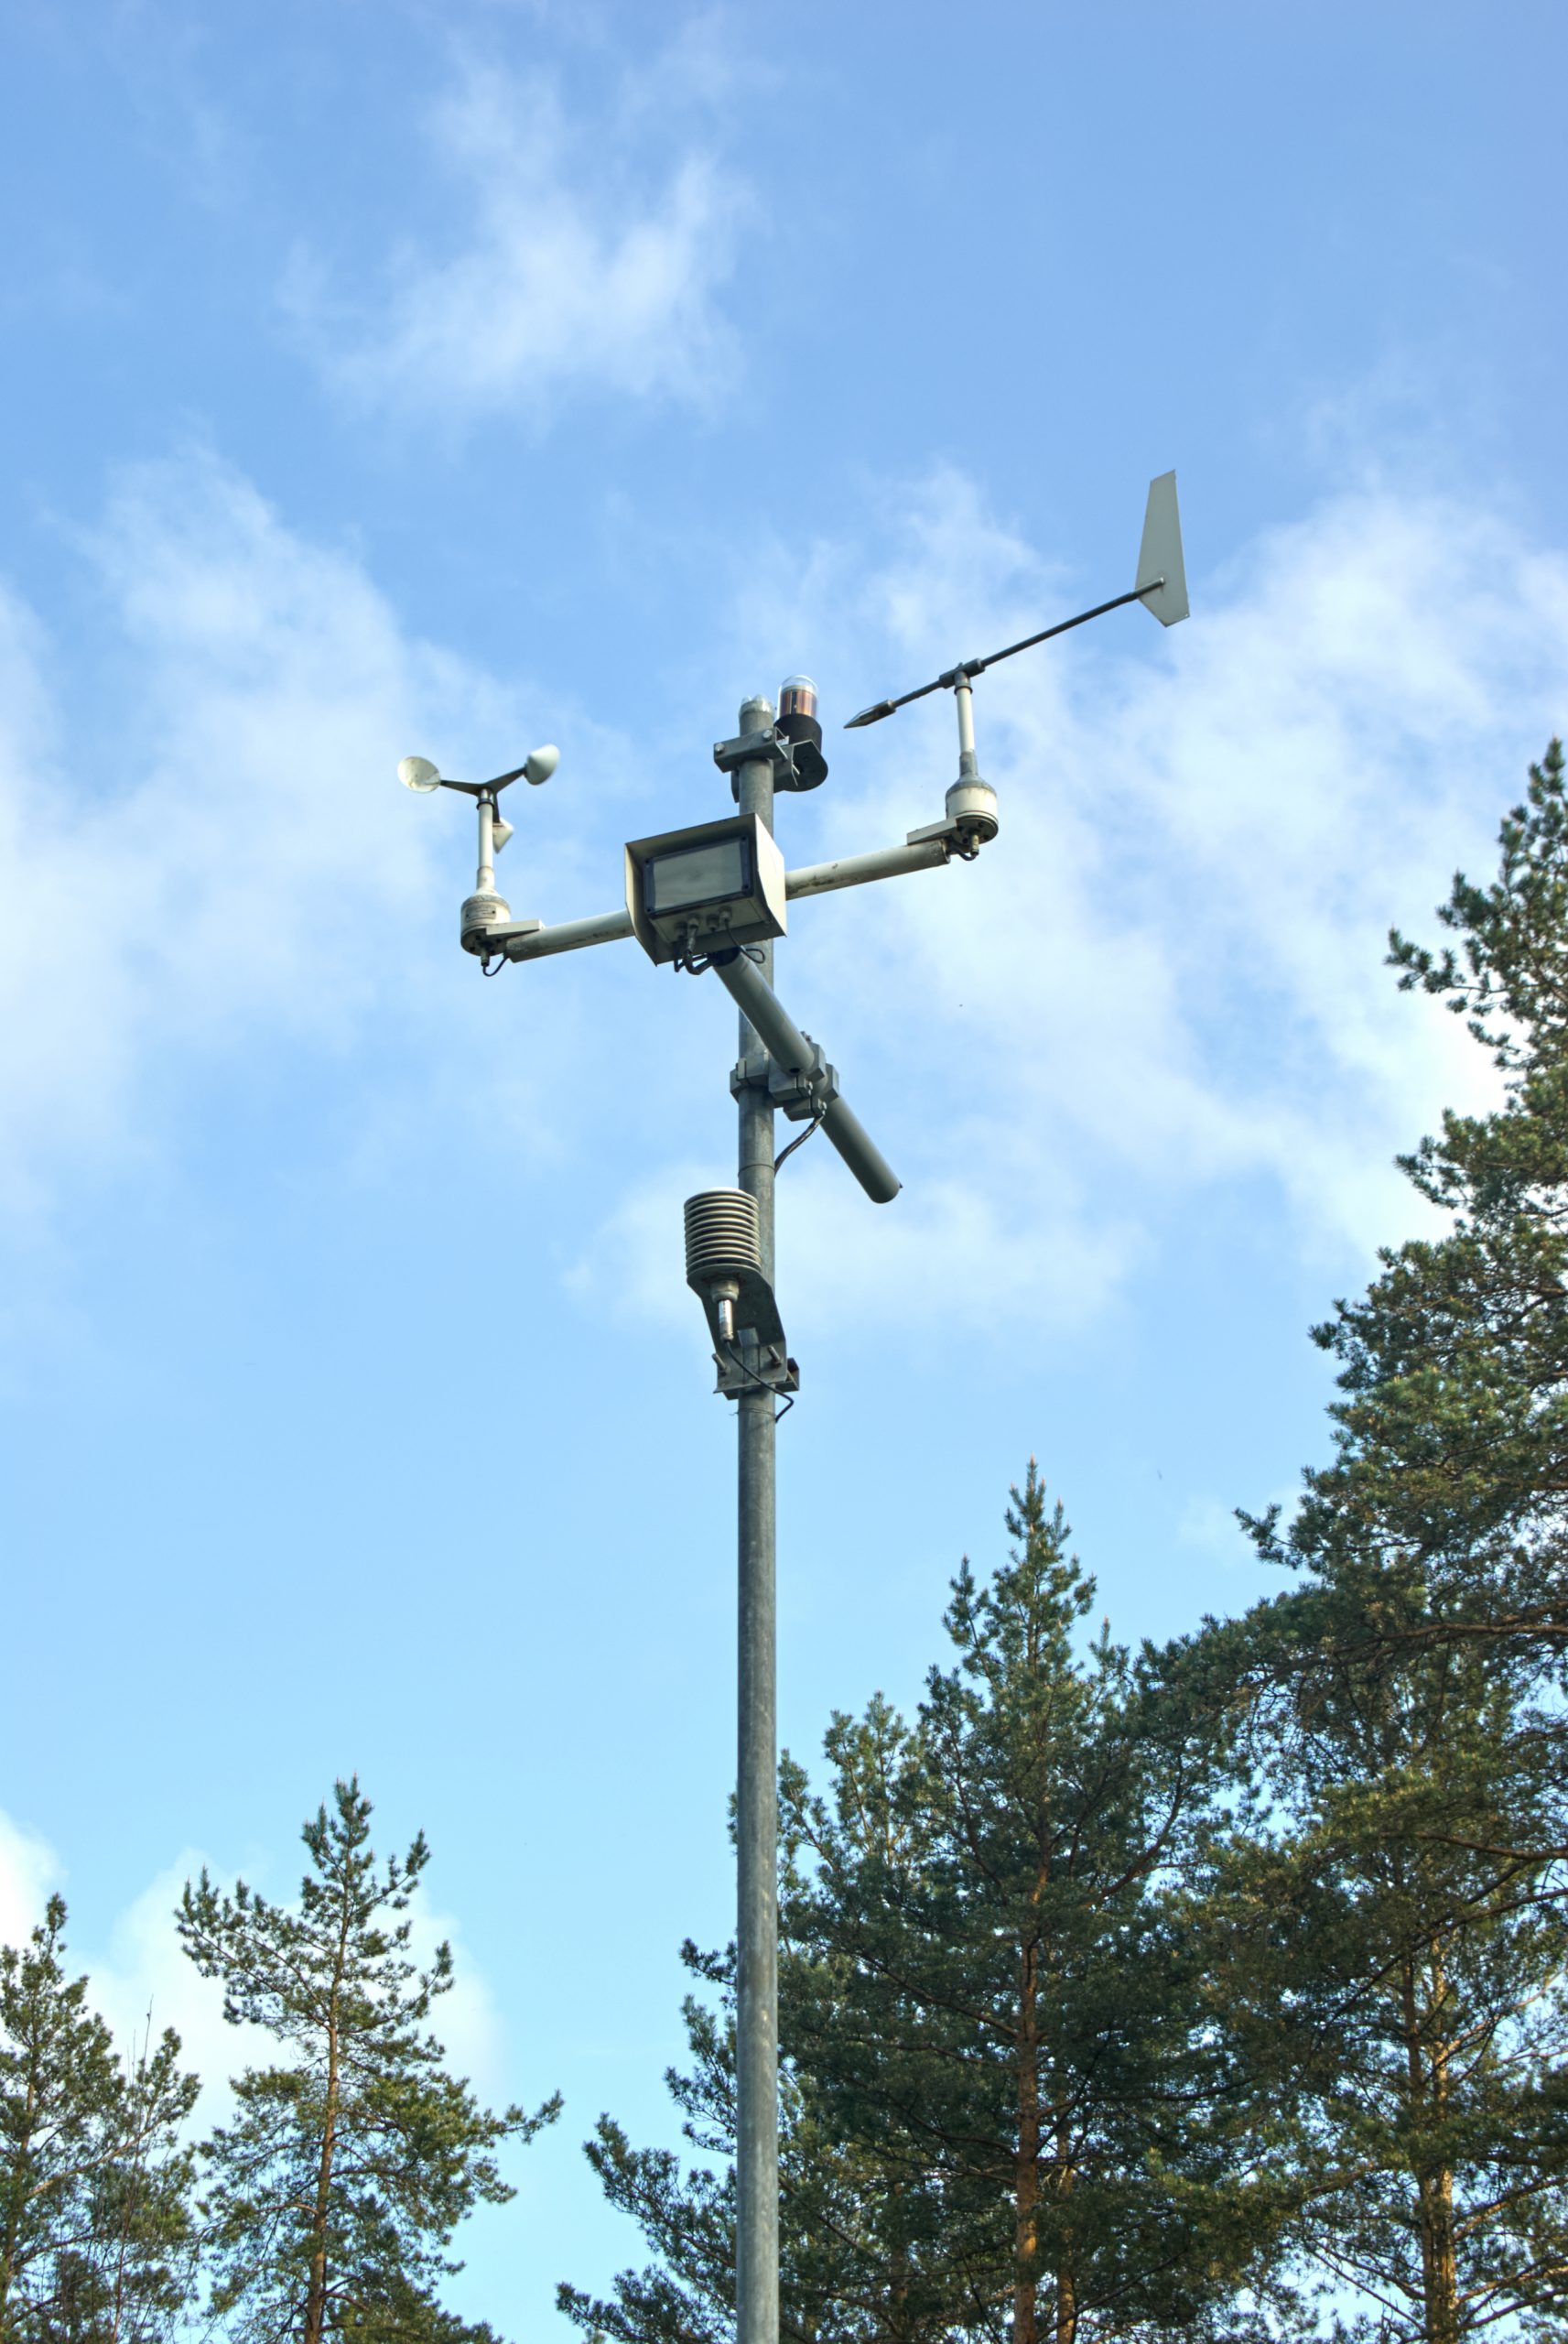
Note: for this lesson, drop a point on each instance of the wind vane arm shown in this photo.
(1161, 585)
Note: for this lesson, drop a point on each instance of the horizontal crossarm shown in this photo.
(527, 940)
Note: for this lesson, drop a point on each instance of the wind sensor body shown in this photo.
(484, 908)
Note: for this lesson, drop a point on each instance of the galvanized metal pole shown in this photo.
(756, 1818)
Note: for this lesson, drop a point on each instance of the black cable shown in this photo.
(761, 1382)
(695, 964)
(815, 1125)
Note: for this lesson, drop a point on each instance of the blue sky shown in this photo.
(383, 378)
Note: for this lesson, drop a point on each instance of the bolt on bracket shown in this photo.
(797, 764)
(798, 1093)
(768, 1364)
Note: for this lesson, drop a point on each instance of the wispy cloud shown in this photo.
(29, 1873)
(242, 871)
(202, 887)
(590, 253)
(1163, 981)
(141, 1977)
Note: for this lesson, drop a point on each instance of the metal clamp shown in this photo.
(801, 1096)
(764, 1364)
(797, 764)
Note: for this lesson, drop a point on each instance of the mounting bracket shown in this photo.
(797, 764)
(799, 1096)
(769, 1364)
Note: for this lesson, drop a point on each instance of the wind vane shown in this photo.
(1161, 587)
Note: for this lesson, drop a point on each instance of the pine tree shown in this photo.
(850, 2272)
(1391, 1974)
(1452, 1456)
(1390, 1953)
(994, 1988)
(95, 2187)
(331, 2197)
(1003, 2096)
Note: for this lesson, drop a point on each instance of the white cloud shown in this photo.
(202, 890)
(1164, 979)
(29, 1873)
(589, 257)
(141, 1982)
(235, 868)
(142, 1978)
(1208, 1527)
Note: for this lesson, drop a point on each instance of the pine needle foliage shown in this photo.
(848, 2268)
(1392, 1970)
(1452, 1433)
(1392, 1951)
(994, 1984)
(1005, 2109)
(331, 2197)
(95, 2236)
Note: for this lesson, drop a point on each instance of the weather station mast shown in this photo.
(714, 896)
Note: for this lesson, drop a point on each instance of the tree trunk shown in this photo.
(1434, 2183)
(1439, 2265)
(14, 2203)
(898, 2294)
(315, 2295)
(1066, 2322)
(19, 2195)
(1026, 2167)
(1066, 2307)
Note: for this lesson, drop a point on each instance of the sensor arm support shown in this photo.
(857, 870)
(788, 1046)
(530, 940)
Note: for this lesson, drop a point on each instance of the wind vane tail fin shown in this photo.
(1162, 580)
